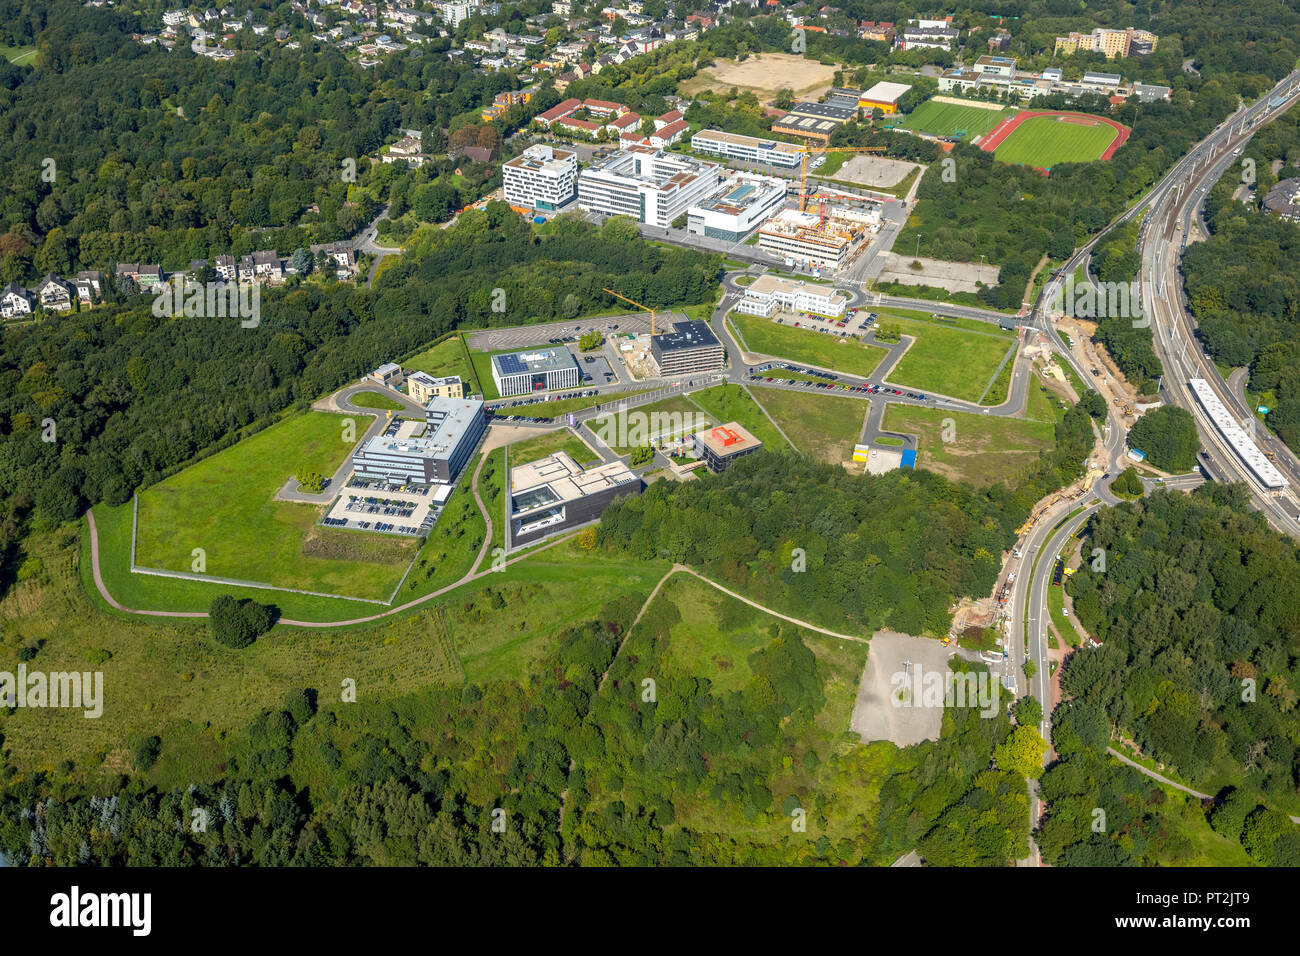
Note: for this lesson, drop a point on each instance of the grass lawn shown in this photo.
(1044, 141)
(542, 595)
(985, 449)
(19, 55)
(948, 359)
(949, 119)
(1056, 608)
(806, 346)
(151, 593)
(824, 426)
(224, 505)
(996, 393)
(548, 443)
(167, 676)
(375, 400)
(447, 358)
(453, 544)
(731, 403)
(668, 418)
(890, 440)
(492, 489)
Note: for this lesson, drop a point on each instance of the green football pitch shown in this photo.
(949, 119)
(1044, 141)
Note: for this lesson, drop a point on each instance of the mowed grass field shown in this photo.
(731, 403)
(824, 426)
(806, 346)
(224, 505)
(446, 358)
(947, 359)
(984, 450)
(1045, 141)
(948, 119)
(548, 443)
(666, 419)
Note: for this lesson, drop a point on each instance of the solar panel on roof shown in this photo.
(510, 365)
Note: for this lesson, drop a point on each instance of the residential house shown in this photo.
(54, 294)
(90, 286)
(267, 265)
(15, 301)
(341, 254)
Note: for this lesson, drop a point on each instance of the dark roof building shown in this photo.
(690, 348)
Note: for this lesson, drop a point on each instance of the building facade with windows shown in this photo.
(647, 184)
(690, 348)
(453, 429)
(721, 446)
(424, 388)
(535, 370)
(747, 149)
(542, 177)
(556, 493)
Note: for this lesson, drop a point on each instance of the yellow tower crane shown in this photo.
(806, 150)
(638, 305)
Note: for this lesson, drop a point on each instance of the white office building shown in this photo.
(541, 178)
(537, 370)
(742, 206)
(769, 294)
(746, 149)
(647, 184)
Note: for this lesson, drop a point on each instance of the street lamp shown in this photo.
(918, 246)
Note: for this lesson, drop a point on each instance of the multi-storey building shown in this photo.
(769, 294)
(1113, 43)
(453, 429)
(690, 348)
(747, 149)
(424, 388)
(536, 370)
(541, 178)
(647, 184)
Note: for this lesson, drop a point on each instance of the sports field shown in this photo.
(1042, 140)
(950, 119)
(225, 505)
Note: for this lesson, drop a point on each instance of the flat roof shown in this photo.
(450, 418)
(768, 284)
(755, 142)
(886, 92)
(727, 439)
(425, 378)
(533, 361)
(565, 478)
(691, 334)
(831, 111)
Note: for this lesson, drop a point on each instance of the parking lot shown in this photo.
(852, 322)
(771, 373)
(554, 333)
(368, 505)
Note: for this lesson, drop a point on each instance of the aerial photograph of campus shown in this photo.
(671, 433)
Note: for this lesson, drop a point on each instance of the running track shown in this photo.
(999, 134)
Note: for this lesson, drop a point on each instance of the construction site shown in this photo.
(823, 239)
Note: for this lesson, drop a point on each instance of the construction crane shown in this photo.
(805, 150)
(638, 305)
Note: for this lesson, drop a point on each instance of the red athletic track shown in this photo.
(1004, 129)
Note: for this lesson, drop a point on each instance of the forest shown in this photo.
(167, 157)
(1196, 614)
